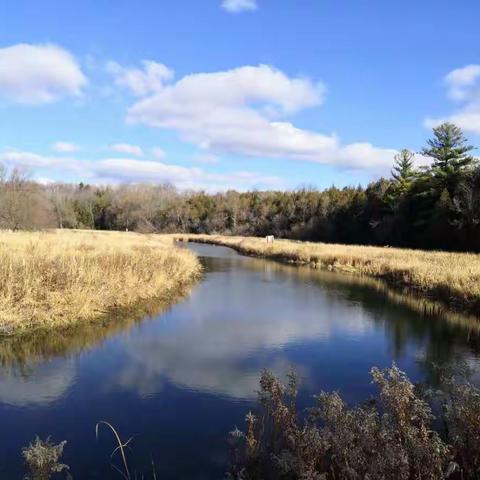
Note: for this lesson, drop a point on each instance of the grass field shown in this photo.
(59, 278)
(452, 278)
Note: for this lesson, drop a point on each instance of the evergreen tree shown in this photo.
(403, 172)
(450, 152)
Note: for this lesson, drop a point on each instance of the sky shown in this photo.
(220, 94)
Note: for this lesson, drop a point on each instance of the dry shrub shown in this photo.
(390, 437)
(276, 444)
(42, 459)
(461, 406)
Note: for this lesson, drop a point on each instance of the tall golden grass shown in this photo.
(452, 278)
(59, 278)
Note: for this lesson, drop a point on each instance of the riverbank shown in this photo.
(451, 278)
(65, 277)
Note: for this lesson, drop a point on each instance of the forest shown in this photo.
(429, 207)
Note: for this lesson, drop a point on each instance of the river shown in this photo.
(179, 381)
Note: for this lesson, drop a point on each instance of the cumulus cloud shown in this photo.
(463, 87)
(130, 170)
(36, 74)
(461, 80)
(65, 147)
(237, 6)
(245, 111)
(127, 148)
(140, 82)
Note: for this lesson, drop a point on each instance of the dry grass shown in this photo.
(59, 278)
(453, 278)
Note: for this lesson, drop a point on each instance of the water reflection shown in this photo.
(36, 386)
(41, 345)
(215, 345)
(403, 315)
(218, 345)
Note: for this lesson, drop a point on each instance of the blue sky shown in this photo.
(242, 94)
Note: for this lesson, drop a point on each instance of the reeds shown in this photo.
(59, 278)
(452, 278)
(124, 471)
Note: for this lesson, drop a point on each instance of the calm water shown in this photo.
(179, 381)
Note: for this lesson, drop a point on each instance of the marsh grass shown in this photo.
(60, 278)
(452, 278)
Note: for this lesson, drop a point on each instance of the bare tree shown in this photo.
(23, 203)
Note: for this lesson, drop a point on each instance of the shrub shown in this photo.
(42, 458)
(390, 436)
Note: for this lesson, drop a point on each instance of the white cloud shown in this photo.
(237, 6)
(132, 170)
(26, 159)
(128, 170)
(159, 153)
(460, 81)
(33, 162)
(141, 82)
(243, 111)
(65, 147)
(44, 180)
(467, 119)
(206, 159)
(127, 148)
(463, 86)
(36, 74)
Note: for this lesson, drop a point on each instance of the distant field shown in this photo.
(58, 278)
(452, 278)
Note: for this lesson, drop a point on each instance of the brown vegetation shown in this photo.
(391, 436)
(42, 459)
(59, 278)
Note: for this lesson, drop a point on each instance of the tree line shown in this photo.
(433, 207)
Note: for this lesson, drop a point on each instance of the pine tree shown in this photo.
(403, 172)
(450, 152)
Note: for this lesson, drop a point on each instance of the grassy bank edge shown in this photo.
(453, 279)
(110, 320)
